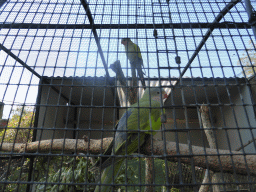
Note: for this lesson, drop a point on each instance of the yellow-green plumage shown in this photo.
(143, 117)
(134, 56)
(132, 51)
(130, 135)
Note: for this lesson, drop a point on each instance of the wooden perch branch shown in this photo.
(132, 90)
(99, 146)
(204, 110)
(116, 67)
(149, 168)
(245, 145)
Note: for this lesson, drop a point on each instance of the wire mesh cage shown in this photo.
(135, 95)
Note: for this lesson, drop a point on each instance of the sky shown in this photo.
(73, 52)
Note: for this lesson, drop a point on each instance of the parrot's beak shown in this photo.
(124, 42)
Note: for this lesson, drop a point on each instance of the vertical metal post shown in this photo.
(31, 161)
(249, 11)
(1, 109)
(75, 122)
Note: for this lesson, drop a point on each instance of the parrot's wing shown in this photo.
(121, 125)
(137, 50)
(128, 142)
(145, 115)
(96, 167)
(127, 131)
(101, 161)
(127, 147)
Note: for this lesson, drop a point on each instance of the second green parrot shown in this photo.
(142, 116)
(134, 55)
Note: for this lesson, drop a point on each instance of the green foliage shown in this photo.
(18, 171)
(72, 171)
(248, 60)
(134, 175)
(76, 171)
(21, 118)
(164, 189)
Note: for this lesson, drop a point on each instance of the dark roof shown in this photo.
(194, 90)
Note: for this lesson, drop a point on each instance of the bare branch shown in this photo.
(57, 145)
(212, 142)
(116, 67)
(199, 157)
(204, 188)
(99, 146)
(149, 174)
(245, 145)
(132, 91)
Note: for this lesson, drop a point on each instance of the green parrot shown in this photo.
(134, 55)
(146, 113)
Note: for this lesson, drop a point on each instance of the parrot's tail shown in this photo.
(107, 177)
(99, 167)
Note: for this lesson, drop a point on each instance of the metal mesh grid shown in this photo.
(62, 95)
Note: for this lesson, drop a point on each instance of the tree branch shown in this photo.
(149, 168)
(204, 110)
(132, 90)
(245, 145)
(199, 156)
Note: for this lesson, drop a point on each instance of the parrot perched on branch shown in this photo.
(130, 134)
(134, 55)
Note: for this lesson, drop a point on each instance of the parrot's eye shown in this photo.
(157, 92)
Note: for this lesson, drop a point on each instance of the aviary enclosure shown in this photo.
(111, 95)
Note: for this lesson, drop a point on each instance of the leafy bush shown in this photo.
(72, 171)
(21, 118)
(16, 169)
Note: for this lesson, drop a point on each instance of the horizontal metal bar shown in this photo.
(223, 25)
